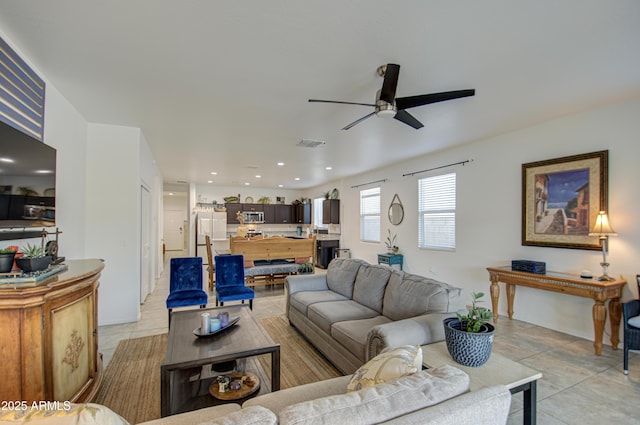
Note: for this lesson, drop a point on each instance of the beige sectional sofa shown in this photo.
(358, 309)
(438, 396)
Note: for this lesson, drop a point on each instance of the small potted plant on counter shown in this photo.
(33, 259)
(390, 243)
(6, 258)
(469, 336)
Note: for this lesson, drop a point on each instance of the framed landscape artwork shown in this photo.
(561, 199)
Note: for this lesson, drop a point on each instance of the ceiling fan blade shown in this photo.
(408, 119)
(426, 99)
(358, 121)
(344, 103)
(388, 92)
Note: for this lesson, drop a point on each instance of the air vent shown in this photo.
(306, 143)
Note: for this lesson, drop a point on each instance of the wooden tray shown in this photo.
(243, 392)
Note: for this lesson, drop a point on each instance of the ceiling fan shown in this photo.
(388, 105)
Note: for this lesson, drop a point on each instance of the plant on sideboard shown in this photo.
(33, 258)
(7, 256)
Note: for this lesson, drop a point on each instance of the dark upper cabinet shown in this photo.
(269, 213)
(331, 211)
(302, 213)
(232, 210)
(284, 214)
(253, 207)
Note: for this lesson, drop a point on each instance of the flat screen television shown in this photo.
(27, 181)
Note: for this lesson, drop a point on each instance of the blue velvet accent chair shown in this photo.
(185, 284)
(230, 280)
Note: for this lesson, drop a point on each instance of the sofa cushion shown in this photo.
(369, 286)
(392, 363)
(352, 334)
(62, 413)
(303, 299)
(341, 275)
(486, 406)
(278, 400)
(327, 313)
(381, 402)
(408, 295)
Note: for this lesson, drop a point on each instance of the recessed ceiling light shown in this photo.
(170, 193)
(280, 185)
(297, 178)
(281, 163)
(328, 168)
(209, 181)
(247, 183)
(6, 160)
(44, 172)
(213, 173)
(258, 176)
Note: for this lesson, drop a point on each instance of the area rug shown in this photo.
(131, 382)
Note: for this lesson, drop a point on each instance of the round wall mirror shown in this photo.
(396, 211)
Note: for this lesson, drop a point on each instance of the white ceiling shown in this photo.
(223, 85)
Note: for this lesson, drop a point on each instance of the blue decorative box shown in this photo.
(529, 266)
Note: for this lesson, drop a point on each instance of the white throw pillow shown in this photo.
(390, 364)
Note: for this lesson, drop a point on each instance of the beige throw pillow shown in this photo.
(62, 413)
(390, 364)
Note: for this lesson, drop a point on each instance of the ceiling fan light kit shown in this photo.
(388, 105)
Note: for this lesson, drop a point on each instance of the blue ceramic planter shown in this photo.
(467, 348)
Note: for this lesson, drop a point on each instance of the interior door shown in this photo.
(145, 243)
(174, 230)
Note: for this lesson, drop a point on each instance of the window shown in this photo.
(437, 212)
(370, 215)
(317, 214)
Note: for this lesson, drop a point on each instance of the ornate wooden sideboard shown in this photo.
(599, 291)
(48, 336)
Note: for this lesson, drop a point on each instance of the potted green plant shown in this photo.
(33, 259)
(7, 256)
(469, 336)
(305, 268)
(390, 243)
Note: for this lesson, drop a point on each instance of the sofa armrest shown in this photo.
(307, 282)
(418, 330)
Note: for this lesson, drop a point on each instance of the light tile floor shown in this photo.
(577, 387)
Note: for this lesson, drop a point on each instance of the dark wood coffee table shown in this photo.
(183, 387)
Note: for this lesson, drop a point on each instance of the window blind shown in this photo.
(21, 94)
(437, 212)
(370, 215)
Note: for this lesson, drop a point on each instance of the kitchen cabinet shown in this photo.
(331, 211)
(269, 213)
(232, 210)
(284, 214)
(302, 213)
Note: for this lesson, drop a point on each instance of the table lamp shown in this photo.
(603, 230)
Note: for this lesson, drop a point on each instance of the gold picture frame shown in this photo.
(561, 199)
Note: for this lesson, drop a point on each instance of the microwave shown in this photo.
(253, 217)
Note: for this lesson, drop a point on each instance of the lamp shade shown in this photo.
(602, 226)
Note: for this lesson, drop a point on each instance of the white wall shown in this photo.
(112, 214)
(489, 212)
